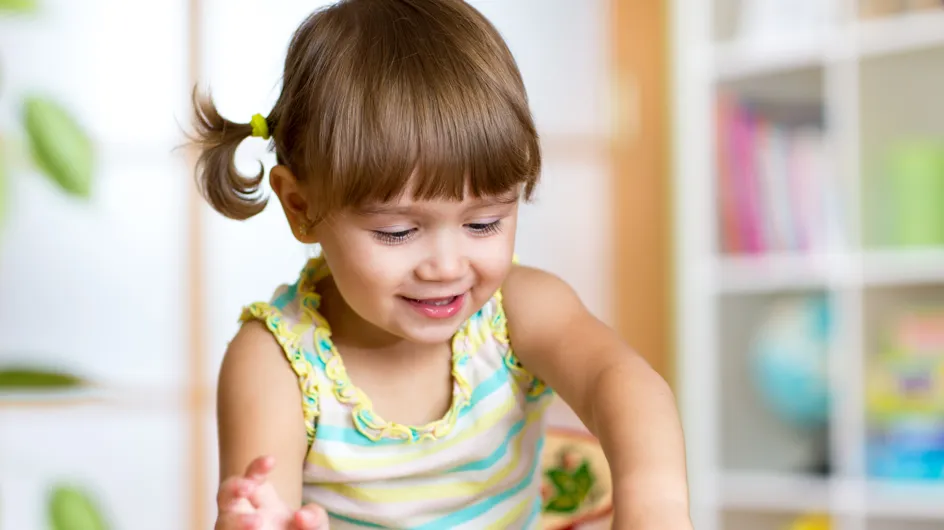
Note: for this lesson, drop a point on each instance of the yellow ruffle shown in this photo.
(533, 386)
(289, 337)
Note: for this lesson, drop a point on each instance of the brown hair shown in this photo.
(378, 95)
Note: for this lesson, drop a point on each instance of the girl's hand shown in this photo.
(249, 502)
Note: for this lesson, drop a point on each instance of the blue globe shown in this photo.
(790, 360)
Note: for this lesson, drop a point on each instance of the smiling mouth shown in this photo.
(435, 302)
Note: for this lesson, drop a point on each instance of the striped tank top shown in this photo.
(476, 467)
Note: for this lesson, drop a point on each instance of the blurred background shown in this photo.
(750, 191)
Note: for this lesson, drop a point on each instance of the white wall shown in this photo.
(69, 271)
(97, 288)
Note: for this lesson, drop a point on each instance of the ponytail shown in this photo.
(234, 195)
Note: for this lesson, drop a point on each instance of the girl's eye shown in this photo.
(393, 238)
(485, 229)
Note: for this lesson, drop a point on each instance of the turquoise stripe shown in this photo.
(352, 436)
(490, 385)
(478, 509)
(283, 299)
(356, 522)
(535, 513)
(314, 360)
(496, 455)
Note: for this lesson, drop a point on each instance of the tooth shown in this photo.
(440, 302)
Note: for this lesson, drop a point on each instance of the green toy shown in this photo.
(34, 378)
(70, 508)
(17, 6)
(916, 180)
(60, 148)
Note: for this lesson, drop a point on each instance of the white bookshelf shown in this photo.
(742, 475)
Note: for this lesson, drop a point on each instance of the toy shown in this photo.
(71, 508)
(789, 355)
(915, 175)
(905, 399)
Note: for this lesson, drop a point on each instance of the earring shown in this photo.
(303, 228)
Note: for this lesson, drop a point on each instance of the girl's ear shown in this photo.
(295, 203)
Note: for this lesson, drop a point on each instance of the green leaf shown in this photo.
(28, 378)
(60, 147)
(17, 6)
(563, 481)
(72, 509)
(562, 504)
(583, 480)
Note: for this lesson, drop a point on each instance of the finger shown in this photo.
(232, 489)
(311, 517)
(259, 468)
(264, 495)
(238, 521)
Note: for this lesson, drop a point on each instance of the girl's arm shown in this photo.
(616, 394)
(259, 412)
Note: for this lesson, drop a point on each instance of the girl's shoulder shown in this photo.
(529, 292)
(540, 309)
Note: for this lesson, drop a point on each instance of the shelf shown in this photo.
(903, 267)
(741, 59)
(775, 272)
(905, 500)
(844, 80)
(784, 272)
(901, 33)
(797, 493)
(775, 492)
(908, 32)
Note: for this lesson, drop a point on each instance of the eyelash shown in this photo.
(486, 229)
(479, 229)
(393, 238)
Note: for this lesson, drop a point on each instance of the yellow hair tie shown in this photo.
(260, 129)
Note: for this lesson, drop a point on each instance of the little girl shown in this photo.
(401, 380)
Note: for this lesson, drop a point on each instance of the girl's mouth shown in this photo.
(437, 308)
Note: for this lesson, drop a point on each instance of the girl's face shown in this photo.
(418, 269)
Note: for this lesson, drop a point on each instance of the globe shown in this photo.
(789, 355)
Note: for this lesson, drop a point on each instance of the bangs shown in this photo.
(420, 111)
